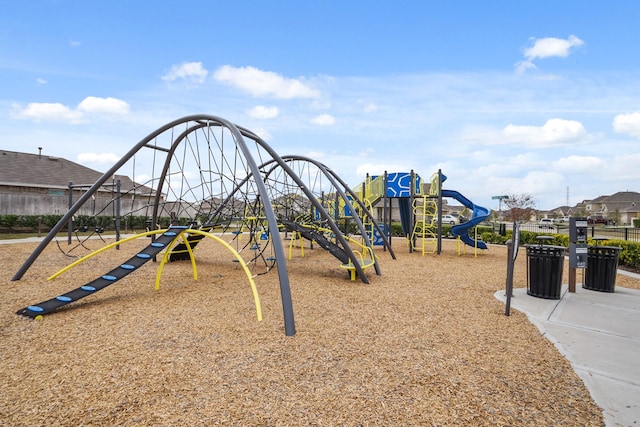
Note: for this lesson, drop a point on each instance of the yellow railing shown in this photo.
(166, 255)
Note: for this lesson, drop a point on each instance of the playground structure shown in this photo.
(203, 176)
(165, 239)
(420, 211)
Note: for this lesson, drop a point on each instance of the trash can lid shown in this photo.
(540, 249)
(615, 248)
(535, 245)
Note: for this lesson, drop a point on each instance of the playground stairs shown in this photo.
(180, 252)
(424, 236)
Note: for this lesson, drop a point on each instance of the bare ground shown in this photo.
(426, 343)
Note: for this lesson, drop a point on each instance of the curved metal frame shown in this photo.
(204, 120)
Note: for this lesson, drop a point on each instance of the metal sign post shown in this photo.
(577, 248)
(512, 254)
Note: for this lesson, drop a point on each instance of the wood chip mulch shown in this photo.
(425, 343)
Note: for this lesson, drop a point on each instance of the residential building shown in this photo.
(37, 184)
(621, 207)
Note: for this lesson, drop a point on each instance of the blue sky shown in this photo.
(505, 97)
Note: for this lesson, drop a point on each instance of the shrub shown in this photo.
(561, 240)
(8, 221)
(490, 237)
(49, 221)
(630, 253)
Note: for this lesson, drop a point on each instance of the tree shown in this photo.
(520, 207)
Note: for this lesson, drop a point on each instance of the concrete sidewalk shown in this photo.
(599, 333)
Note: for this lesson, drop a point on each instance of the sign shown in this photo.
(499, 197)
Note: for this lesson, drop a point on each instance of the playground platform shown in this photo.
(599, 333)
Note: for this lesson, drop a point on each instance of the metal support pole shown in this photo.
(117, 213)
(386, 220)
(439, 245)
(412, 193)
(512, 254)
(70, 223)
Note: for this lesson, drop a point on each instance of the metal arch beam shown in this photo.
(207, 121)
(323, 212)
(311, 197)
(329, 173)
(336, 181)
(86, 196)
(365, 209)
(285, 290)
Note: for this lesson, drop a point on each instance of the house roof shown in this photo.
(622, 206)
(622, 197)
(37, 170)
(598, 199)
(564, 210)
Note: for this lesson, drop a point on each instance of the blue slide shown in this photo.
(479, 215)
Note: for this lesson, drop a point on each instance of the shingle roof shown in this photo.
(622, 197)
(598, 199)
(37, 170)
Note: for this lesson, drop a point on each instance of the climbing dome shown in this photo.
(204, 172)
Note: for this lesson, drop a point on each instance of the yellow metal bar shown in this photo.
(168, 253)
(254, 290)
(98, 251)
(296, 236)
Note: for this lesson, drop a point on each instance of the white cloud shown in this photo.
(191, 72)
(316, 155)
(98, 158)
(380, 168)
(320, 104)
(92, 104)
(545, 48)
(57, 112)
(41, 82)
(262, 133)
(46, 111)
(323, 120)
(535, 182)
(554, 132)
(370, 107)
(628, 124)
(367, 106)
(74, 43)
(263, 112)
(626, 168)
(264, 83)
(578, 164)
(368, 151)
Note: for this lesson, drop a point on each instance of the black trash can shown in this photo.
(544, 270)
(602, 267)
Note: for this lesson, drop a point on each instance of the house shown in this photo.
(36, 184)
(562, 212)
(621, 207)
